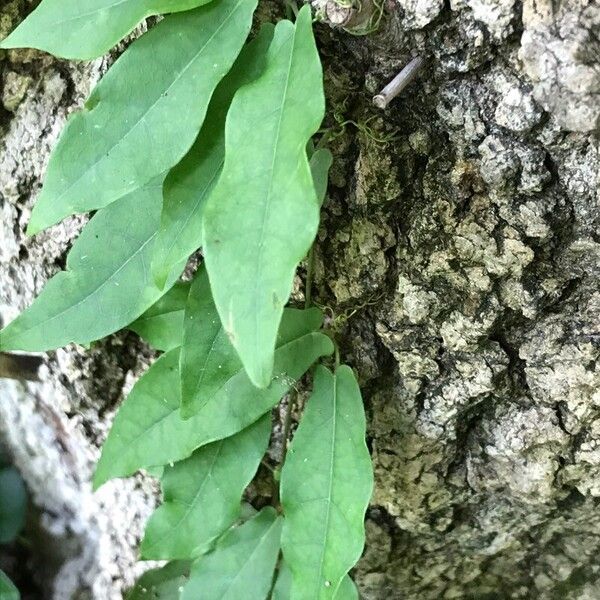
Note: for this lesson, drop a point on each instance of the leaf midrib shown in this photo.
(202, 370)
(191, 505)
(152, 106)
(166, 313)
(201, 197)
(250, 557)
(90, 13)
(330, 490)
(258, 272)
(174, 410)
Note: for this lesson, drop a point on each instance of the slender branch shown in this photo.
(293, 395)
(310, 272)
(287, 426)
(20, 366)
(399, 83)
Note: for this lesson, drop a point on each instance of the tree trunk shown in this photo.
(459, 260)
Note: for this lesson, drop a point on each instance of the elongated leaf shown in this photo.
(13, 504)
(8, 591)
(241, 566)
(148, 429)
(263, 214)
(208, 360)
(189, 184)
(203, 494)
(320, 163)
(86, 29)
(145, 113)
(162, 324)
(326, 484)
(283, 586)
(161, 584)
(107, 283)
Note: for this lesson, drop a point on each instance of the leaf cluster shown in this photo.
(200, 139)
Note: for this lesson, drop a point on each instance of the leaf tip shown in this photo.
(100, 477)
(3, 345)
(32, 228)
(160, 276)
(158, 268)
(97, 482)
(329, 346)
(185, 411)
(260, 375)
(6, 43)
(36, 222)
(146, 548)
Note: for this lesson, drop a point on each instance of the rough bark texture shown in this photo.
(459, 258)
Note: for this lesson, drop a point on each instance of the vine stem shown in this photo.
(310, 271)
(287, 424)
(293, 397)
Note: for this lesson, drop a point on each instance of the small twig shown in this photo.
(399, 83)
(20, 366)
(266, 465)
(287, 427)
(310, 269)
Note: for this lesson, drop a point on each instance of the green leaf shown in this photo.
(189, 184)
(326, 484)
(107, 283)
(208, 360)
(146, 112)
(241, 566)
(8, 591)
(283, 586)
(162, 324)
(156, 471)
(203, 494)
(161, 584)
(148, 429)
(13, 504)
(263, 214)
(320, 163)
(347, 590)
(85, 29)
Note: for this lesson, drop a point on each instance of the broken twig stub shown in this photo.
(399, 83)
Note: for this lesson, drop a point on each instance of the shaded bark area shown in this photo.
(458, 262)
(460, 253)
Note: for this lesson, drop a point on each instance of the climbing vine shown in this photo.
(200, 136)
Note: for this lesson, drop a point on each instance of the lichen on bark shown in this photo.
(476, 331)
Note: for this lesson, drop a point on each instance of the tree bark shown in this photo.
(458, 260)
